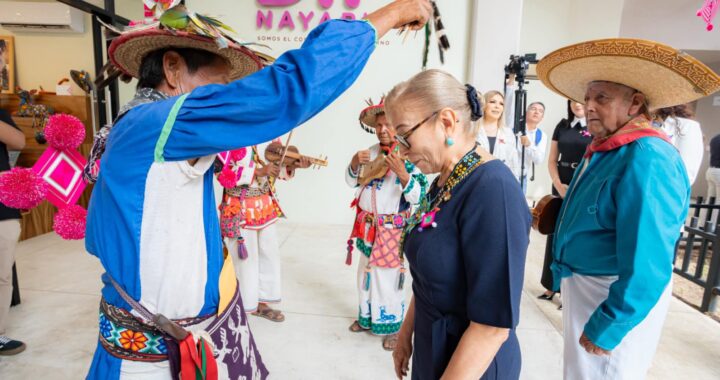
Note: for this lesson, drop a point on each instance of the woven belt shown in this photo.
(397, 220)
(126, 337)
(249, 192)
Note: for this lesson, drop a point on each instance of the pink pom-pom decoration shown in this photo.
(228, 178)
(238, 154)
(70, 222)
(22, 188)
(64, 131)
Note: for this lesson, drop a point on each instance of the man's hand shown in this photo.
(360, 158)
(591, 348)
(269, 170)
(525, 141)
(401, 13)
(302, 163)
(397, 165)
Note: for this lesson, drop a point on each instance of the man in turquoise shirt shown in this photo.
(620, 220)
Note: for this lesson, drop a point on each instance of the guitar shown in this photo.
(545, 214)
(375, 169)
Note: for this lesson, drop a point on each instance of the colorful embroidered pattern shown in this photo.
(146, 344)
(471, 161)
(379, 328)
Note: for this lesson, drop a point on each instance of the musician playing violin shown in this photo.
(248, 215)
(387, 187)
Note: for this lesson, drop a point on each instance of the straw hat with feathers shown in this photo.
(666, 76)
(368, 116)
(180, 28)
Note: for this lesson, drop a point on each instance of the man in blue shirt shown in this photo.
(617, 229)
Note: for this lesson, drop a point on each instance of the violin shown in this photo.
(375, 169)
(275, 151)
(545, 214)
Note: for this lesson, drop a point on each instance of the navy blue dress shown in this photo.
(470, 268)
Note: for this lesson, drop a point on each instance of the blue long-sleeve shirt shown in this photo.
(152, 220)
(622, 217)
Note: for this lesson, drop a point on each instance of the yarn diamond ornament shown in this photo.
(62, 170)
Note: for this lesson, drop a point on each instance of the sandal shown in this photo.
(355, 327)
(270, 314)
(390, 342)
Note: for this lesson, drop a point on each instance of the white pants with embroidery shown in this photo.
(260, 275)
(382, 304)
(632, 358)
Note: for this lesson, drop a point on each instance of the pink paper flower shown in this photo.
(22, 188)
(70, 222)
(64, 131)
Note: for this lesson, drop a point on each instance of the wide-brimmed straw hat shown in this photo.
(368, 116)
(184, 29)
(666, 76)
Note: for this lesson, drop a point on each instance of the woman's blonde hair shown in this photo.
(488, 96)
(431, 91)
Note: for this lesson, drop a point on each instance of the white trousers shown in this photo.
(260, 274)
(382, 305)
(632, 358)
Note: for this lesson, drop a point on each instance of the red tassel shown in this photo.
(192, 361)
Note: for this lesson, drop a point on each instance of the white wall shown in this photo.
(548, 25)
(322, 196)
(495, 36)
(673, 22)
(42, 59)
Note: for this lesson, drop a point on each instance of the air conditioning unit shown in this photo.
(41, 17)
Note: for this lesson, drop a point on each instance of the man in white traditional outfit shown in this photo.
(383, 202)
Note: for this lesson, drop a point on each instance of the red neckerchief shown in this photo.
(636, 128)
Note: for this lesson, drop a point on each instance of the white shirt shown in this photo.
(388, 192)
(505, 147)
(535, 153)
(686, 135)
(582, 121)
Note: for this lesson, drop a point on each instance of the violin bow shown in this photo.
(282, 158)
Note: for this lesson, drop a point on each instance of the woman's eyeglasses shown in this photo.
(403, 139)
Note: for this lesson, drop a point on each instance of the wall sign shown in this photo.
(291, 20)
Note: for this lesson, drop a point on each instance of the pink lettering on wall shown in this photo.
(352, 4)
(305, 19)
(286, 21)
(277, 3)
(265, 18)
(325, 17)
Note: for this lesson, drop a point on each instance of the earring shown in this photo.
(449, 141)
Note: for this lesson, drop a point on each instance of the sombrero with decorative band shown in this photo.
(179, 28)
(368, 116)
(666, 76)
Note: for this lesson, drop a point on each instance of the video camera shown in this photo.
(519, 64)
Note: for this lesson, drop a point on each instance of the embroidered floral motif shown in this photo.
(132, 340)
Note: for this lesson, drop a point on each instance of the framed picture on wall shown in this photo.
(7, 65)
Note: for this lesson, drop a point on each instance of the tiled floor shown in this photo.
(60, 291)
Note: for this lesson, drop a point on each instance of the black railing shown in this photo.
(695, 259)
